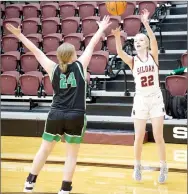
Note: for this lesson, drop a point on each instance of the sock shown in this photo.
(66, 186)
(163, 164)
(32, 178)
(137, 162)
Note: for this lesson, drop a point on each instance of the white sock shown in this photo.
(163, 164)
(137, 162)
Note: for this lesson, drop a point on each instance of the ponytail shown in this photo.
(63, 67)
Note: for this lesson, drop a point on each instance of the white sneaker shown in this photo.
(163, 174)
(137, 174)
(28, 187)
(63, 192)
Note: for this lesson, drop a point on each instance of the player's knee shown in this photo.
(159, 139)
(139, 138)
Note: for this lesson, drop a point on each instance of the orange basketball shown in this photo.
(116, 7)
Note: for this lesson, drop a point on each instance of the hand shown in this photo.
(116, 32)
(103, 25)
(13, 30)
(144, 16)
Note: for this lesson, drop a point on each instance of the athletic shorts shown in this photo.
(71, 124)
(148, 107)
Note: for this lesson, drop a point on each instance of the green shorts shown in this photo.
(71, 124)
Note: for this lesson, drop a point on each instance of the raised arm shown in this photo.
(123, 55)
(153, 40)
(86, 56)
(46, 63)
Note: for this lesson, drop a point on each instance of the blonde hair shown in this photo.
(65, 53)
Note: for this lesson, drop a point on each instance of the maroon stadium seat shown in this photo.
(51, 42)
(177, 85)
(30, 83)
(29, 62)
(10, 43)
(102, 9)
(111, 44)
(79, 53)
(70, 25)
(48, 89)
(87, 9)
(131, 7)
(50, 25)
(36, 39)
(14, 21)
(116, 20)
(9, 61)
(89, 25)
(9, 82)
(98, 63)
(99, 45)
(149, 5)
(53, 56)
(67, 9)
(184, 60)
(30, 26)
(13, 11)
(75, 39)
(31, 10)
(132, 25)
(49, 10)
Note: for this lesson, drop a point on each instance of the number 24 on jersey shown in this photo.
(64, 81)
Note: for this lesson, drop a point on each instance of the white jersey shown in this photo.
(146, 76)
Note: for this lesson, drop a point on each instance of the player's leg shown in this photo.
(140, 115)
(140, 127)
(157, 118)
(75, 129)
(50, 138)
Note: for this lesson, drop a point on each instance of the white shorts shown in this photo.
(147, 107)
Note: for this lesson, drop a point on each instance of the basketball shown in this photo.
(117, 7)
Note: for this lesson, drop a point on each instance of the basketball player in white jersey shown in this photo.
(148, 100)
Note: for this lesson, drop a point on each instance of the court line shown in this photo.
(148, 168)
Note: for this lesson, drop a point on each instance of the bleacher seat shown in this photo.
(36, 39)
(10, 43)
(49, 10)
(50, 25)
(67, 9)
(132, 25)
(98, 63)
(99, 45)
(28, 62)
(51, 42)
(87, 9)
(13, 11)
(130, 10)
(184, 60)
(177, 85)
(89, 25)
(75, 39)
(111, 44)
(30, 26)
(70, 25)
(9, 61)
(31, 10)
(53, 56)
(30, 83)
(48, 90)
(116, 20)
(9, 82)
(14, 21)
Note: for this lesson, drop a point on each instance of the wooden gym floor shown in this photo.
(101, 169)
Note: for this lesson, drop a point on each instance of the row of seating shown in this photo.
(52, 41)
(70, 9)
(130, 24)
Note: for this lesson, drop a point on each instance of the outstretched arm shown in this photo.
(153, 40)
(46, 63)
(123, 55)
(86, 56)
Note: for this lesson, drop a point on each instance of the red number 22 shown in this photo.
(147, 81)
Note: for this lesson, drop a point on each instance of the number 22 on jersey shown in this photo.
(147, 81)
(64, 81)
